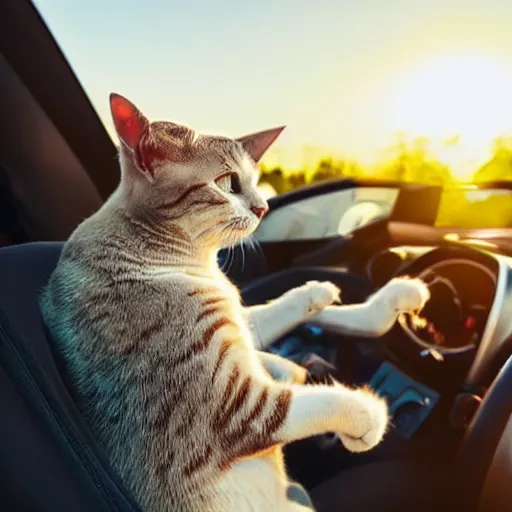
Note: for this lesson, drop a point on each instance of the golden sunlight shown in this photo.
(468, 97)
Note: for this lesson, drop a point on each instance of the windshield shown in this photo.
(327, 215)
(408, 91)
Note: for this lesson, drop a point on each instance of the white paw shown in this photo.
(366, 423)
(406, 295)
(321, 295)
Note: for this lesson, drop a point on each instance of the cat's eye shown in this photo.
(236, 187)
(229, 183)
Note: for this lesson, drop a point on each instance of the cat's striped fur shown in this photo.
(159, 346)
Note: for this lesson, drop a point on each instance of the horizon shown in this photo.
(344, 78)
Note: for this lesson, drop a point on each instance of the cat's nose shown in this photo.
(259, 211)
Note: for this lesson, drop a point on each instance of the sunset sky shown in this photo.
(344, 76)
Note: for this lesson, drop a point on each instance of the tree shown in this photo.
(327, 170)
(275, 178)
(499, 166)
(414, 161)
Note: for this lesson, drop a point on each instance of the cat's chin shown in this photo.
(242, 224)
(239, 229)
(242, 227)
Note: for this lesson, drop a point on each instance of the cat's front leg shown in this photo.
(358, 416)
(285, 413)
(256, 413)
(281, 369)
(378, 314)
(313, 370)
(270, 321)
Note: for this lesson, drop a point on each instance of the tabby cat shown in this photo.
(164, 358)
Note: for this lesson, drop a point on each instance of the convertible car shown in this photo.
(448, 381)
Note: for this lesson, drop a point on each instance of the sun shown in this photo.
(469, 96)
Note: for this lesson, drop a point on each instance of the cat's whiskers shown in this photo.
(242, 244)
(229, 260)
(215, 229)
(255, 245)
(233, 228)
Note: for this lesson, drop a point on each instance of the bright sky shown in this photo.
(341, 74)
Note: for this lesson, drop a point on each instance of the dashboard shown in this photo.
(433, 373)
(446, 360)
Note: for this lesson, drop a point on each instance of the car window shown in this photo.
(336, 213)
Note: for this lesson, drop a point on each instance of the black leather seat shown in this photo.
(50, 462)
(48, 458)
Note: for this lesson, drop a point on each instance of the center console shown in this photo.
(410, 403)
(419, 405)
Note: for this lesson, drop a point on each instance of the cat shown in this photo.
(166, 362)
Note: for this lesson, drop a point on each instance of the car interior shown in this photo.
(449, 390)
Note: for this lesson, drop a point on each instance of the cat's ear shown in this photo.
(257, 143)
(129, 121)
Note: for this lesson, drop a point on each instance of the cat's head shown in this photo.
(207, 185)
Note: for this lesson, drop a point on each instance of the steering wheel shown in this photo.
(456, 314)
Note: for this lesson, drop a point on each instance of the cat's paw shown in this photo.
(321, 294)
(318, 369)
(407, 295)
(366, 423)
